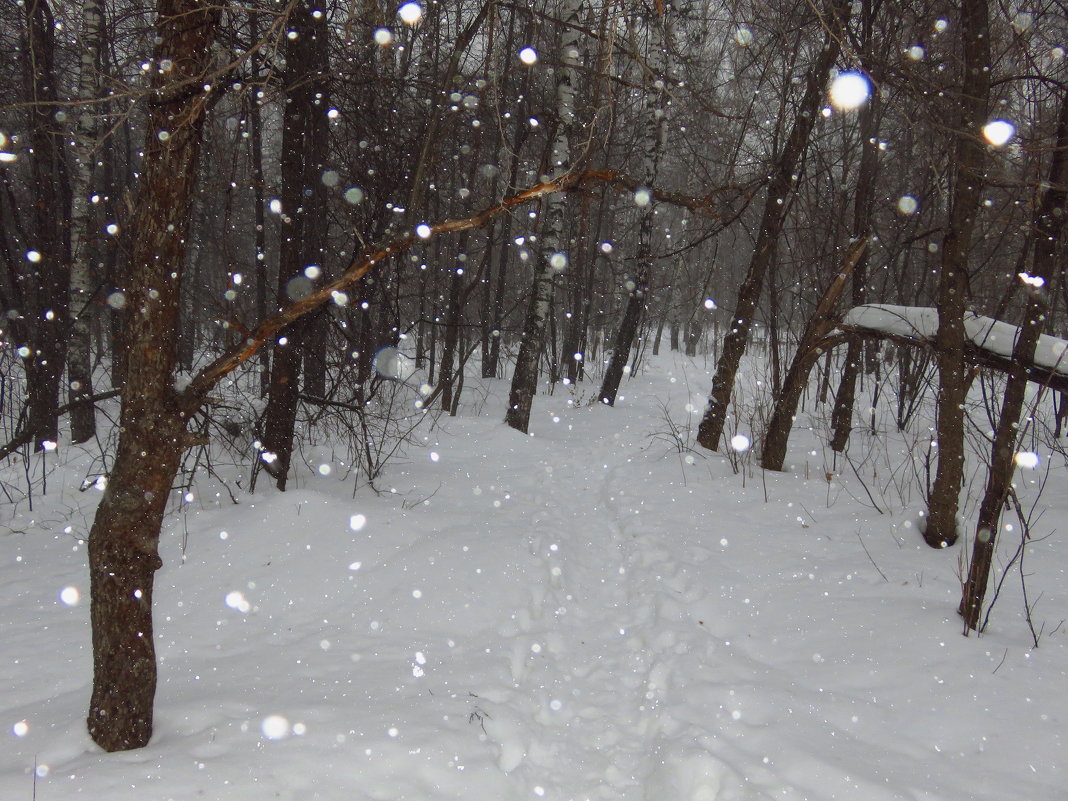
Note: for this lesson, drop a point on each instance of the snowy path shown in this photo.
(581, 615)
(592, 655)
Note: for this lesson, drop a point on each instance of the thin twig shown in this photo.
(870, 559)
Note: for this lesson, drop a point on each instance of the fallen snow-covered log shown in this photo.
(989, 341)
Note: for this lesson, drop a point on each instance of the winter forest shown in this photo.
(518, 399)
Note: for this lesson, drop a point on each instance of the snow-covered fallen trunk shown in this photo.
(990, 341)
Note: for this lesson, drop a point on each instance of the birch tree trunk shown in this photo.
(551, 255)
(654, 142)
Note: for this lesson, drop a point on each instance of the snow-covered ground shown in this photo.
(585, 613)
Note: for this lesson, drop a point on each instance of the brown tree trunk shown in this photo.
(303, 221)
(778, 434)
(46, 293)
(123, 542)
(453, 318)
(969, 163)
(258, 199)
(868, 119)
(781, 186)
(579, 301)
(654, 141)
(82, 281)
(1048, 227)
(624, 341)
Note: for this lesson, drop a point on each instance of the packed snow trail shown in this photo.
(590, 660)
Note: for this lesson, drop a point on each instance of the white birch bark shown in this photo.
(653, 143)
(552, 257)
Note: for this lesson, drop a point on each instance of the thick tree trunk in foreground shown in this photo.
(781, 186)
(123, 542)
(1048, 227)
(969, 163)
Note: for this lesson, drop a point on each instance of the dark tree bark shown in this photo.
(453, 319)
(578, 298)
(1047, 230)
(303, 224)
(46, 290)
(124, 540)
(654, 141)
(868, 119)
(779, 189)
(258, 198)
(501, 236)
(778, 434)
(969, 163)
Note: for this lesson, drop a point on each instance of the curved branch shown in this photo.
(196, 392)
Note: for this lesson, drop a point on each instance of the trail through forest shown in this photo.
(584, 613)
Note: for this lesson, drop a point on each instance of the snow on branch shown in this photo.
(989, 342)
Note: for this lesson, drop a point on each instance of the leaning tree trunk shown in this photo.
(781, 186)
(654, 141)
(778, 434)
(124, 540)
(551, 257)
(1048, 227)
(969, 162)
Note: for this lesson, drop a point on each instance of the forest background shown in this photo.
(308, 201)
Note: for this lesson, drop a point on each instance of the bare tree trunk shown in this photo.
(507, 155)
(969, 163)
(778, 434)
(303, 221)
(1048, 227)
(781, 186)
(551, 257)
(570, 348)
(124, 540)
(79, 359)
(447, 379)
(654, 141)
(868, 118)
(46, 298)
(258, 199)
